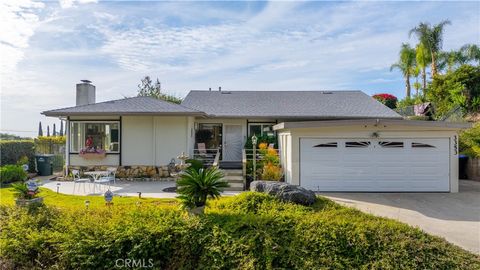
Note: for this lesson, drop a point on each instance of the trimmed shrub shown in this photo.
(469, 141)
(12, 151)
(12, 173)
(248, 231)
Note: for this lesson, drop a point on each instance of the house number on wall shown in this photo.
(455, 144)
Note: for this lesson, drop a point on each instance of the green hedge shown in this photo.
(248, 231)
(12, 173)
(12, 151)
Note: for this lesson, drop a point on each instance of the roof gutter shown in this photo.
(372, 122)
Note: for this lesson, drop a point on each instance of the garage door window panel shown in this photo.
(357, 144)
(422, 145)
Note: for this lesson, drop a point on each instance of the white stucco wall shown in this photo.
(360, 131)
(154, 140)
(171, 138)
(137, 140)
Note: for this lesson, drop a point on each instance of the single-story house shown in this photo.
(328, 140)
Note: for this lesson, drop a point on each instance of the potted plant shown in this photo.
(196, 185)
(26, 193)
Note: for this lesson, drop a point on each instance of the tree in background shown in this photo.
(48, 131)
(54, 130)
(432, 38)
(147, 88)
(422, 59)
(406, 64)
(12, 137)
(471, 52)
(61, 128)
(460, 87)
(40, 130)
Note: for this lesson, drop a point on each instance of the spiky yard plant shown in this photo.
(196, 186)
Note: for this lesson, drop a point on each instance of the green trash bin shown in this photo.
(44, 164)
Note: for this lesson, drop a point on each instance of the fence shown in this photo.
(52, 146)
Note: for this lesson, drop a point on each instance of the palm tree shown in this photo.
(406, 64)
(471, 52)
(432, 39)
(196, 185)
(423, 59)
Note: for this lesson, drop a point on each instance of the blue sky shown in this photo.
(47, 47)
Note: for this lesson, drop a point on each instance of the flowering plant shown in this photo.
(92, 150)
(387, 100)
(22, 191)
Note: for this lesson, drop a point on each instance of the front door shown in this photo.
(233, 143)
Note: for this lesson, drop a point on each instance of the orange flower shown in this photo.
(271, 152)
(262, 146)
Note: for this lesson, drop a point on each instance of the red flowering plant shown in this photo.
(26, 191)
(387, 100)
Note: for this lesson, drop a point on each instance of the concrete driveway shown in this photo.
(453, 216)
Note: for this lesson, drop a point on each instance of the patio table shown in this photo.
(96, 175)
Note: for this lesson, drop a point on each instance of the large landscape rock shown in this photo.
(284, 191)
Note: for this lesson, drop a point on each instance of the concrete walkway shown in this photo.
(149, 189)
(453, 216)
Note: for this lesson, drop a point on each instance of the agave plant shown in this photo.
(196, 186)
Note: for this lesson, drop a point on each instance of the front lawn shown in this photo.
(248, 231)
(71, 201)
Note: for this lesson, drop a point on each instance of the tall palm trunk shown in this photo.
(407, 85)
(424, 79)
(434, 65)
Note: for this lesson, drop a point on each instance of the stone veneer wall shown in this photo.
(473, 169)
(132, 173)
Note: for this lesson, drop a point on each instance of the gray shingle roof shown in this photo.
(126, 106)
(288, 104)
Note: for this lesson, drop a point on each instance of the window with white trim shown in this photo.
(261, 129)
(99, 135)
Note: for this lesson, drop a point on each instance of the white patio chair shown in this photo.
(111, 174)
(202, 151)
(101, 180)
(78, 179)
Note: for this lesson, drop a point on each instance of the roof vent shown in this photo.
(327, 92)
(209, 89)
(219, 88)
(226, 92)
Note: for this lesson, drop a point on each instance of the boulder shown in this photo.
(284, 191)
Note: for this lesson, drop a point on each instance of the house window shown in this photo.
(100, 135)
(261, 129)
(209, 135)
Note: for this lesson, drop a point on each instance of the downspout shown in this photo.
(67, 145)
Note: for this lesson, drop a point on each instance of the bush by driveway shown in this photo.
(454, 216)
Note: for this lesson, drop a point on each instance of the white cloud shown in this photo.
(19, 21)
(72, 3)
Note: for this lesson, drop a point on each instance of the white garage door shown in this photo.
(375, 164)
